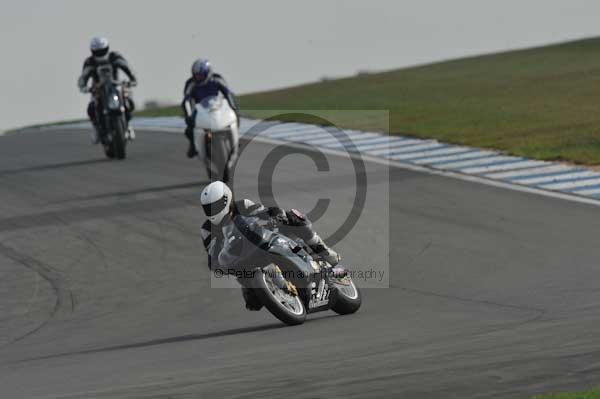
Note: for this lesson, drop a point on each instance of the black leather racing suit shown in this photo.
(89, 71)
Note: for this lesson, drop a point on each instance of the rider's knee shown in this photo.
(91, 110)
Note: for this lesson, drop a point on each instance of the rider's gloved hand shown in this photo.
(84, 89)
(278, 215)
(236, 246)
(132, 83)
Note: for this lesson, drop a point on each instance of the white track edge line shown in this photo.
(417, 168)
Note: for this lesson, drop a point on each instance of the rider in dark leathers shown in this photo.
(203, 83)
(101, 55)
(220, 209)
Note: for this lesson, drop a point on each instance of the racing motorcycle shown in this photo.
(285, 276)
(216, 125)
(113, 127)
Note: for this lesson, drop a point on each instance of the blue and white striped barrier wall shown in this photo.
(430, 154)
(433, 154)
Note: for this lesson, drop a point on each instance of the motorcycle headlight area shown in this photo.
(215, 106)
(113, 102)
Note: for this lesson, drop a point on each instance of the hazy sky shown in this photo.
(256, 45)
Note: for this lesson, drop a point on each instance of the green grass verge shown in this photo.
(540, 103)
(174, 110)
(593, 394)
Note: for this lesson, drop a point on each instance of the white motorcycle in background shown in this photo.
(216, 136)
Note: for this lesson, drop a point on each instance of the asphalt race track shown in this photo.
(104, 289)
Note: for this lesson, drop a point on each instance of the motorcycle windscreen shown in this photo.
(214, 114)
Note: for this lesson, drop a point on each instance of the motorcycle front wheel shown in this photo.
(105, 139)
(218, 153)
(118, 140)
(285, 306)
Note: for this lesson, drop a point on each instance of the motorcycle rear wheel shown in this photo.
(345, 298)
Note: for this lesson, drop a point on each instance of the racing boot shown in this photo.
(95, 135)
(323, 251)
(191, 152)
(252, 302)
(189, 133)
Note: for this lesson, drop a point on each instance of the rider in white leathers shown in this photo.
(203, 83)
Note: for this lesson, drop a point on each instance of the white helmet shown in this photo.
(216, 201)
(99, 47)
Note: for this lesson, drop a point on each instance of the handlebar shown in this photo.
(124, 83)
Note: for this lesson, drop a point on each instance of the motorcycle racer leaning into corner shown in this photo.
(101, 55)
(220, 209)
(203, 83)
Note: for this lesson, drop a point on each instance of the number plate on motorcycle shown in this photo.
(318, 304)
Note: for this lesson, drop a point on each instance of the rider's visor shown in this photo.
(100, 53)
(200, 77)
(215, 207)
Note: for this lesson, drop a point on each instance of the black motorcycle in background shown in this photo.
(112, 96)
